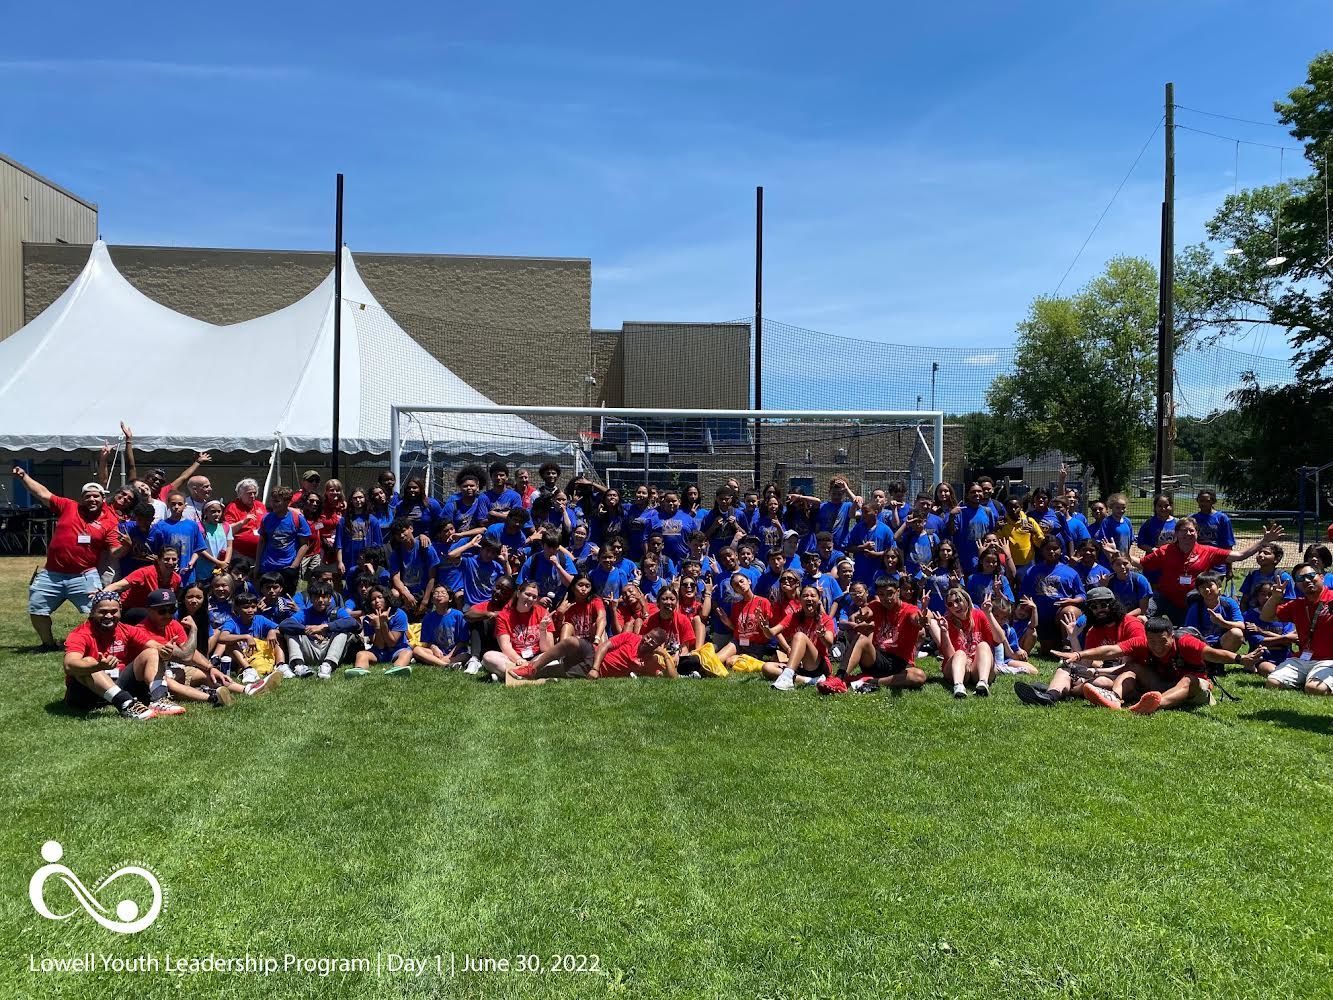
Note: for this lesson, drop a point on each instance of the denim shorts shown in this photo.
(50, 590)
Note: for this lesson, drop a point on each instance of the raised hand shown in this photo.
(124, 430)
(203, 457)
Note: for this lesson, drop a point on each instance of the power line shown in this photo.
(1097, 225)
(1247, 121)
(1233, 138)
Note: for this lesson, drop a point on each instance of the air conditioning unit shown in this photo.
(840, 456)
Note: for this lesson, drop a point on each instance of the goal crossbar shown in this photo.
(935, 418)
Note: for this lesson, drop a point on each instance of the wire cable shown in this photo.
(1247, 121)
(1232, 138)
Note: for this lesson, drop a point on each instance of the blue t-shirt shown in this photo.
(1254, 624)
(868, 567)
(425, 514)
(355, 534)
(651, 588)
(767, 584)
(585, 556)
(769, 531)
(608, 583)
(1119, 532)
(281, 537)
(447, 630)
(1198, 617)
(970, 526)
(1156, 531)
(724, 596)
(835, 517)
(496, 500)
(1077, 531)
(1046, 584)
(517, 540)
(465, 516)
(675, 529)
(307, 616)
(727, 524)
(450, 572)
(540, 571)
(414, 566)
(829, 588)
(185, 536)
(918, 547)
(397, 623)
(259, 627)
(478, 577)
(1280, 579)
(1130, 591)
(1092, 576)
(140, 553)
(1215, 529)
(980, 587)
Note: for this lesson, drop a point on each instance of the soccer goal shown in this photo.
(799, 450)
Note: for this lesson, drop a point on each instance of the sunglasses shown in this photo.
(1302, 577)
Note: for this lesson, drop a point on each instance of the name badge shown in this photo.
(1187, 581)
(85, 539)
(1307, 655)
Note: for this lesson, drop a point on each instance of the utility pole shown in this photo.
(758, 332)
(337, 319)
(1166, 412)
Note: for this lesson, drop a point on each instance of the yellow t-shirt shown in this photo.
(1024, 536)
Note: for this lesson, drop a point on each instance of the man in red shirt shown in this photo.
(1170, 669)
(1108, 625)
(1312, 614)
(81, 541)
(135, 588)
(110, 663)
(630, 653)
(885, 652)
(1179, 563)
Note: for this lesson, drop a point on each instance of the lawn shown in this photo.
(702, 839)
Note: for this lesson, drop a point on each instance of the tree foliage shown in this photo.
(1084, 376)
(989, 441)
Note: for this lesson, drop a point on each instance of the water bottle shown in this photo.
(224, 664)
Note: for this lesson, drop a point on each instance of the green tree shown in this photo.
(988, 440)
(1084, 376)
(1277, 429)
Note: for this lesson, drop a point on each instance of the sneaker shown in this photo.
(267, 684)
(136, 710)
(302, 670)
(1101, 696)
(355, 672)
(249, 675)
(694, 675)
(523, 673)
(784, 683)
(473, 667)
(1034, 694)
(487, 678)
(864, 685)
(165, 706)
(959, 691)
(219, 697)
(285, 670)
(404, 671)
(983, 689)
(1148, 704)
(325, 671)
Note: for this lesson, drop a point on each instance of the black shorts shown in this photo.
(82, 698)
(886, 665)
(765, 653)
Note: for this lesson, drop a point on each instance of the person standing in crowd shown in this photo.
(968, 524)
(1116, 527)
(242, 517)
(1214, 526)
(81, 541)
(180, 533)
(357, 530)
(1179, 563)
(1160, 529)
(284, 539)
(1021, 534)
(309, 487)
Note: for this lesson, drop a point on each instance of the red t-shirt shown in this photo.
(812, 626)
(679, 629)
(583, 617)
(1187, 648)
(323, 530)
(1317, 620)
(971, 634)
(624, 656)
(172, 632)
(785, 608)
(690, 604)
(245, 541)
(76, 542)
(1130, 627)
(125, 643)
(524, 629)
(897, 632)
(141, 583)
(1178, 571)
(626, 613)
(745, 621)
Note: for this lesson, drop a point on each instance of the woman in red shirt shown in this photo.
(750, 616)
(243, 516)
(582, 615)
(523, 631)
(809, 631)
(965, 643)
(632, 610)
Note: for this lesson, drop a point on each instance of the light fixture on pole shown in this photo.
(1278, 259)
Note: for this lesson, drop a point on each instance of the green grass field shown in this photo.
(702, 839)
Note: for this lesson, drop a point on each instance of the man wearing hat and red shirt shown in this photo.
(1312, 614)
(81, 539)
(309, 485)
(109, 662)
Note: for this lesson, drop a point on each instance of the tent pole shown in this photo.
(337, 315)
(272, 463)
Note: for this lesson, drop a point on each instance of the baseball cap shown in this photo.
(308, 475)
(92, 488)
(1101, 594)
(161, 599)
(791, 533)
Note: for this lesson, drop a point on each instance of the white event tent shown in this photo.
(105, 352)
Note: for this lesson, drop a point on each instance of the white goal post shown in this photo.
(450, 428)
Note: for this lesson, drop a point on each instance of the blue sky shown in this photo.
(927, 171)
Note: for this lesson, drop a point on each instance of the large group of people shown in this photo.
(520, 578)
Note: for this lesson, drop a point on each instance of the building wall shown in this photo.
(687, 365)
(33, 209)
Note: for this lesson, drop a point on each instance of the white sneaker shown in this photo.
(473, 667)
(959, 691)
(785, 682)
(325, 671)
(285, 670)
(303, 670)
(983, 689)
(249, 675)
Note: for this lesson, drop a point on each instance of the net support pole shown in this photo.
(337, 317)
(758, 333)
(938, 457)
(395, 444)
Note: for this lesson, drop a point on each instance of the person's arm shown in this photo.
(130, 470)
(597, 659)
(190, 470)
(1088, 655)
(1214, 655)
(103, 468)
(118, 586)
(301, 552)
(507, 648)
(566, 577)
(997, 633)
(1269, 611)
(1216, 615)
(706, 602)
(85, 665)
(939, 632)
(186, 649)
(1272, 533)
(39, 491)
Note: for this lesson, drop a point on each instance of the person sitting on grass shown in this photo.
(683, 634)
(318, 633)
(1312, 614)
(1217, 618)
(884, 636)
(273, 600)
(1171, 670)
(748, 622)
(632, 610)
(135, 588)
(384, 633)
(412, 567)
(81, 541)
(444, 633)
(242, 633)
(1130, 588)
(523, 631)
(632, 655)
(966, 644)
(108, 662)
(809, 631)
(1107, 624)
(582, 614)
(188, 674)
(1010, 655)
(1275, 638)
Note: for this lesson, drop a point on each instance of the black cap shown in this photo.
(162, 599)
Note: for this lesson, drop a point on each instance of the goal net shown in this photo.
(798, 450)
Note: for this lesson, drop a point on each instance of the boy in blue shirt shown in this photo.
(479, 567)
(180, 533)
(284, 538)
(1214, 526)
(135, 552)
(241, 632)
(550, 568)
(1268, 557)
(511, 533)
(867, 541)
(412, 567)
(499, 498)
(968, 525)
(1217, 617)
(608, 579)
(1057, 591)
(674, 524)
(468, 510)
(1116, 528)
(318, 633)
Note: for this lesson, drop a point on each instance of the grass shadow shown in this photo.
(1321, 725)
(61, 710)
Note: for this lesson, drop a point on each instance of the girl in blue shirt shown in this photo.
(357, 530)
(1131, 589)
